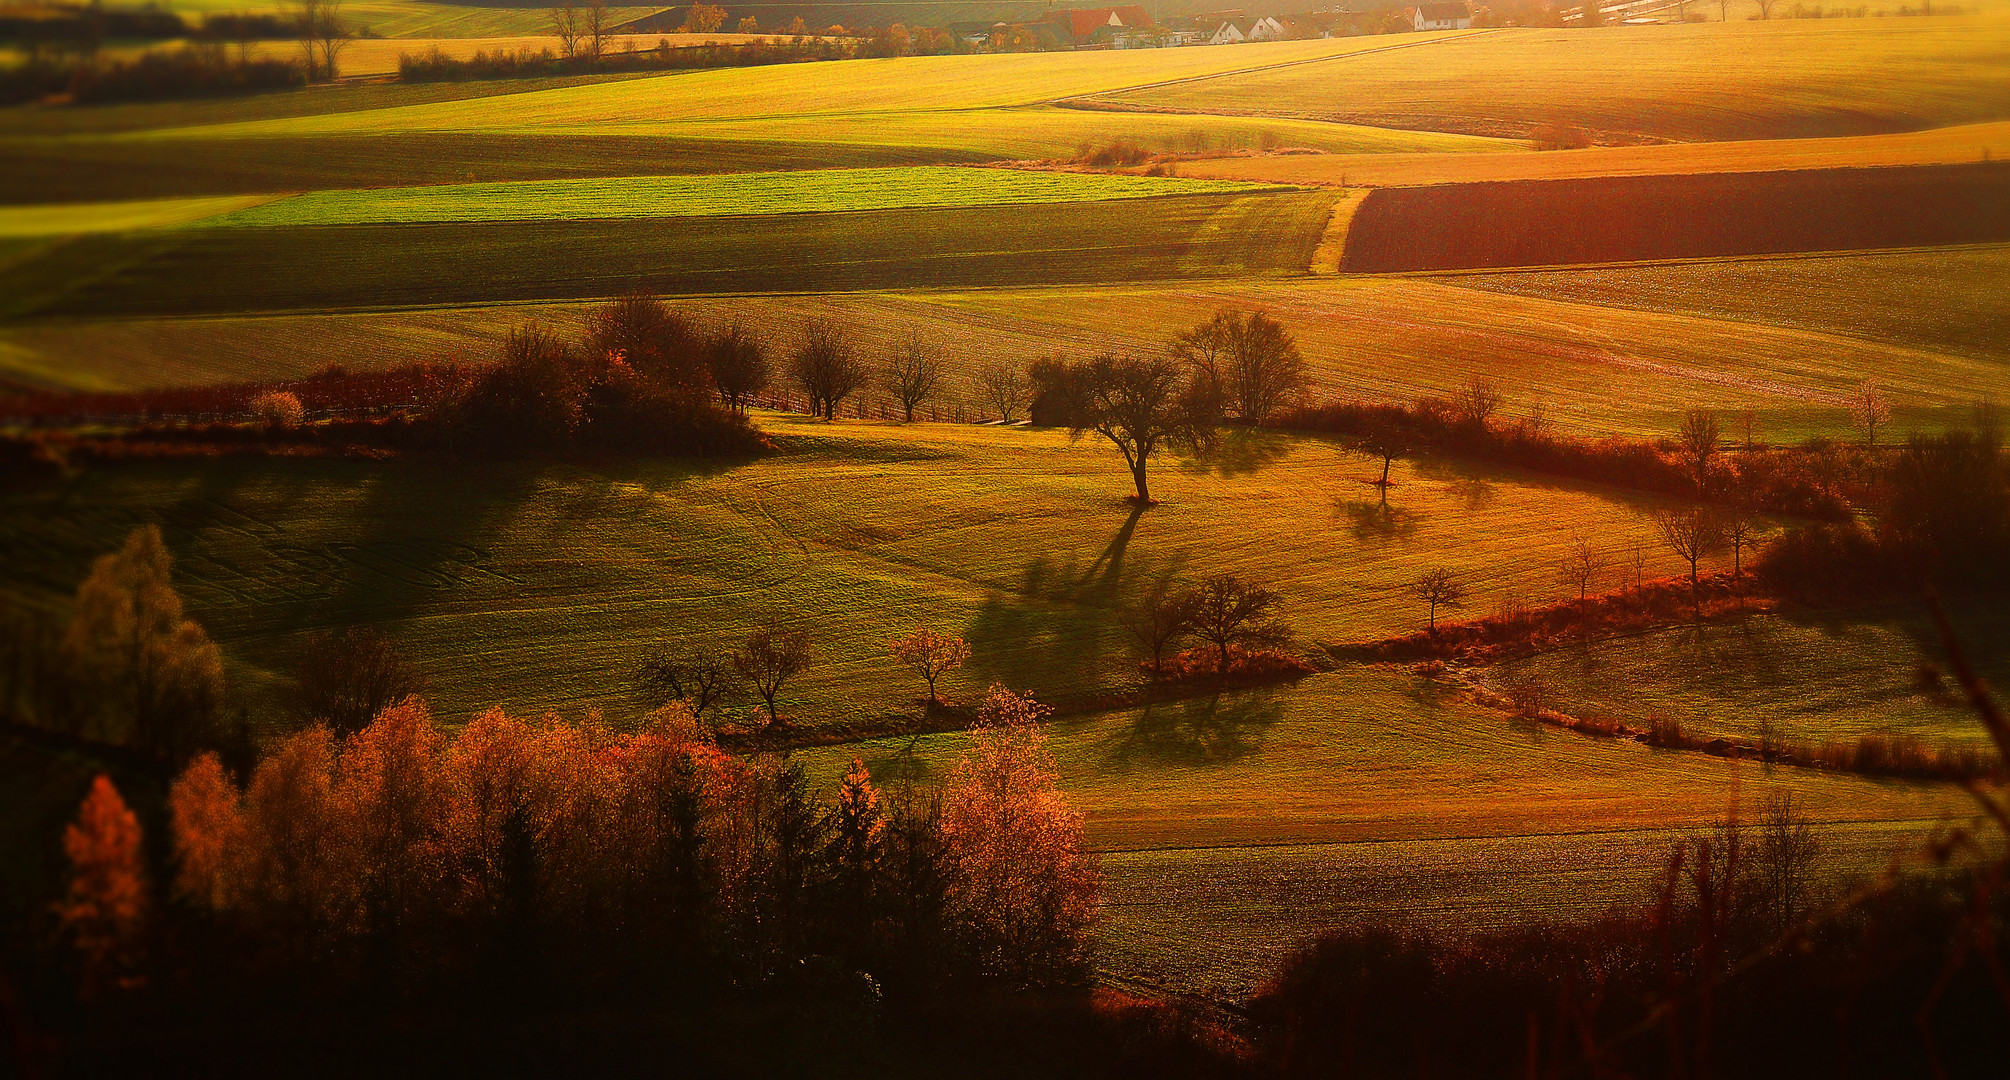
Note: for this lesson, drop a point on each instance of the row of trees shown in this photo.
(534, 850)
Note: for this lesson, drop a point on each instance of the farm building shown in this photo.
(1233, 31)
(1441, 16)
(1129, 26)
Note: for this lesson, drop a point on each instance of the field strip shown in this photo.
(1434, 39)
(70, 219)
(1700, 260)
(736, 194)
(1545, 834)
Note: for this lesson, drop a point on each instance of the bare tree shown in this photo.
(1141, 406)
(597, 26)
(1742, 529)
(347, 677)
(1748, 419)
(323, 35)
(738, 361)
(1004, 386)
(1784, 863)
(770, 658)
(1439, 588)
(1581, 565)
(1252, 361)
(702, 676)
(1159, 619)
(568, 26)
(1226, 611)
(1869, 410)
(1697, 443)
(826, 366)
(913, 372)
(1694, 533)
(1476, 403)
(1765, 7)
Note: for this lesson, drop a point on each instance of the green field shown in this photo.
(819, 191)
(339, 267)
(1753, 80)
(1811, 677)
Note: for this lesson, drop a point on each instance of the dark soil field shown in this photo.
(1641, 218)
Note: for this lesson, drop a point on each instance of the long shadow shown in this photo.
(1238, 452)
(1372, 520)
(1056, 630)
(1198, 731)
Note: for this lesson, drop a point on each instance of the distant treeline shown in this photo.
(191, 71)
(436, 66)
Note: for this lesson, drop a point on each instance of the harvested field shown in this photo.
(1948, 300)
(1627, 219)
(1940, 146)
(379, 56)
(1775, 79)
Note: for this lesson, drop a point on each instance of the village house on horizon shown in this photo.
(1441, 17)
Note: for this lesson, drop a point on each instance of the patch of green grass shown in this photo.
(1948, 300)
(1701, 82)
(1810, 677)
(346, 267)
(819, 191)
(68, 170)
(73, 218)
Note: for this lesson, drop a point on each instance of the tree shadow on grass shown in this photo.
(1057, 629)
(1371, 520)
(1198, 731)
(1238, 452)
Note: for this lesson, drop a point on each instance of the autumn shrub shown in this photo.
(1023, 889)
(104, 914)
(1254, 664)
(1111, 155)
(278, 409)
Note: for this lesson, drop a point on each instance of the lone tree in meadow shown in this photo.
(1697, 442)
(1004, 385)
(1141, 406)
(738, 361)
(1869, 410)
(826, 366)
(1160, 619)
(1252, 362)
(700, 676)
(345, 678)
(913, 373)
(1695, 534)
(1387, 442)
(1439, 588)
(931, 655)
(769, 659)
(1224, 610)
(1580, 566)
(1742, 529)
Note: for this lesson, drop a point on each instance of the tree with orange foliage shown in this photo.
(931, 655)
(703, 19)
(206, 822)
(156, 668)
(1023, 889)
(105, 912)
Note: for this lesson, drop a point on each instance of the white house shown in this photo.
(1441, 17)
(1235, 30)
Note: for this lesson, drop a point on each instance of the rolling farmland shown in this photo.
(1756, 80)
